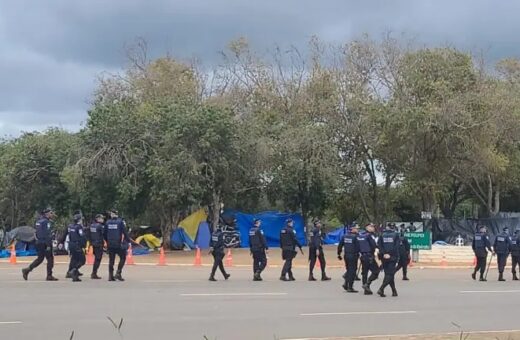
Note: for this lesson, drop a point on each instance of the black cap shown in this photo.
(289, 220)
(505, 229)
(256, 220)
(47, 210)
(77, 217)
(316, 221)
(114, 211)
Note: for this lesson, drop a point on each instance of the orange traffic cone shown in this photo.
(229, 259)
(474, 261)
(12, 259)
(162, 258)
(444, 263)
(198, 258)
(130, 256)
(90, 255)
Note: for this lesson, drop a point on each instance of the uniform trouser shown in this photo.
(98, 255)
(112, 252)
(43, 252)
(481, 265)
(288, 256)
(218, 262)
(259, 261)
(369, 264)
(317, 253)
(351, 262)
(389, 267)
(77, 258)
(501, 261)
(403, 263)
(515, 259)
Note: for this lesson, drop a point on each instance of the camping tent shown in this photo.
(203, 236)
(180, 239)
(192, 222)
(272, 223)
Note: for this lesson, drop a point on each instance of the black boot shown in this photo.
(311, 277)
(25, 273)
(515, 278)
(324, 277)
(51, 278)
(212, 278)
(75, 276)
(366, 287)
(256, 277)
(227, 276)
(474, 275)
(111, 276)
(381, 293)
(405, 278)
(482, 278)
(283, 278)
(501, 277)
(291, 278)
(394, 292)
(357, 278)
(119, 277)
(68, 275)
(94, 276)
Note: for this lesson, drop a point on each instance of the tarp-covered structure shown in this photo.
(449, 229)
(272, 223)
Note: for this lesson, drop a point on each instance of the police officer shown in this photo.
(316, 251)
(388, 244)
(479, 245)
(217, 250)
(288, 243)
(515, 253)
(367, 248)
(117, 239)
(404, 255)
(77, 243)
(95, 237)
(258, 248)
(350, 244)
(501, 247)
(43, 245)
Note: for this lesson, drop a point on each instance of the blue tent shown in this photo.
(179, 238)
(272, 223)
(203, 236)
(334, 236)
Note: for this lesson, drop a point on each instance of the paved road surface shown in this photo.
(179, 303)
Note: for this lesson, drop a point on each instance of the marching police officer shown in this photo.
(116, 236)
(388, 244)
(350, 244)
(43, 245)
(316, 251)
(288, 243)
(95, 237)
(258, 248)
(479, 245)
(404, 255)
(501, 247)
(515, 253)
(77, 242)
(217, 250)
(367, 248)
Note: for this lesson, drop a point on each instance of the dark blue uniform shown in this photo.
(258, 246)
(388, 244)
(349, 243)
(404, 256)
(501, 246)
(43, 246)
(95, 237)
(217, 245)
(480, 247)
(117, 239)
(367, 248)
(316, 252)
(515, 253)
(288, 243)
(77, 242)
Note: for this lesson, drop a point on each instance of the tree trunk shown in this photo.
(215, 202)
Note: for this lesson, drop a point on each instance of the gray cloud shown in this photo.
(51, 51)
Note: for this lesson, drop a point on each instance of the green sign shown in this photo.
(419, 240)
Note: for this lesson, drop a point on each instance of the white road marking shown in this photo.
(359, 313)
(488, 291)
(10, 322)
(234, 294)
(169, 281)
(404, 335)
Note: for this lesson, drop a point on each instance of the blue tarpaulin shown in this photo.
(272, 223)
(179, 238)
(7, 253)
(203, 236)
(334, 236)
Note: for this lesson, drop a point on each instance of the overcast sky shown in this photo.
(52, 51)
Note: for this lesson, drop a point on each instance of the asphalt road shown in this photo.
(179, 303)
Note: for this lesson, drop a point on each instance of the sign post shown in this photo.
(418, 241)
